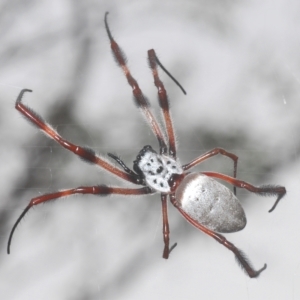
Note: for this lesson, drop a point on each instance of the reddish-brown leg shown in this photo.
(212, 153)
(163, 102)
(140, 99)
(264, 190)
(242, 260)
(85, 153)
(94, 190)
(166, 229)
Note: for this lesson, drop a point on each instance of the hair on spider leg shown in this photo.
(35, 115)
(21, 94)
(105, 190)
(118, 54)
(141, 102)
(241, 256)
(272, 190)
(89, 155)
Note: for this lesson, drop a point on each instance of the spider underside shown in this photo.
(201, 200)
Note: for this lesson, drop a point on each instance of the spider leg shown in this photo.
(166, 229)
(264, 190)
(86, 154)
(212, 153)
(240, 256)
(167, 72)
(163, 100)
(94, 190)
(140, 99)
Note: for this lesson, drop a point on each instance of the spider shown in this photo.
(201, 200)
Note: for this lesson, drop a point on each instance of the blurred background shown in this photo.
(240, 64)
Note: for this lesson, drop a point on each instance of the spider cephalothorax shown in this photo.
(156, 169)
(200, 199)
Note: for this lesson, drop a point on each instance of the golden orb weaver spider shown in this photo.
(200, 199)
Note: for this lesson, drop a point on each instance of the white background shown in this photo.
(240, 64)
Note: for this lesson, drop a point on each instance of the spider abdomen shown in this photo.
(210, 203)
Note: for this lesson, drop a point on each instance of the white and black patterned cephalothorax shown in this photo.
(200, 199)
(156, 169)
